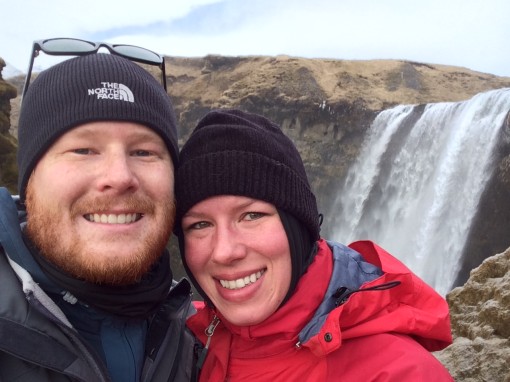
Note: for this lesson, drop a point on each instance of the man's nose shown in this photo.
(117, 173)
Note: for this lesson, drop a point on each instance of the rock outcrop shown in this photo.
(8, 167)
(480, 315)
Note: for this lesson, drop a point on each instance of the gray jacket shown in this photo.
(38, 343)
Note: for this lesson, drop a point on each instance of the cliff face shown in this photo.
(325, 106)
(491, 226)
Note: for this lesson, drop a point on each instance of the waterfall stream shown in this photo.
(418, 179)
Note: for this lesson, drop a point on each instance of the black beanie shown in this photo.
(231, 152)
(96, 87)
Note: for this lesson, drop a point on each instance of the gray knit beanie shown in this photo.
(237, 153)
(96, 87)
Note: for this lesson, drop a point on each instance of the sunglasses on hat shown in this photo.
(77, 47)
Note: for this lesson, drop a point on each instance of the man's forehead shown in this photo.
(105, 128)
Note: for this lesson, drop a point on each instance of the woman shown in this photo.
(281, 303)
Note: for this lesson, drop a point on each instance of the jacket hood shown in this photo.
(398, 301)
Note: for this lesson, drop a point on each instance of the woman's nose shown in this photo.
(228, 246)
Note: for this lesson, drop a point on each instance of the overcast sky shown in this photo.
(470, 33)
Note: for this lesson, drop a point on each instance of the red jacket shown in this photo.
(375, 335)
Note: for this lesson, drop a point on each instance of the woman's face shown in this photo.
(238, 251)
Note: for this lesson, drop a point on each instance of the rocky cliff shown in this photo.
(325, 106)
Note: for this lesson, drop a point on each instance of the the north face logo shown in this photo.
(113, 90)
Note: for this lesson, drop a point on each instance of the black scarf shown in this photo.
(302, 248)
(138, 300)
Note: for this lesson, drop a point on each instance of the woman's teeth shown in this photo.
(241, 283)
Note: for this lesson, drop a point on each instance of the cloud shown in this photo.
(469, 33)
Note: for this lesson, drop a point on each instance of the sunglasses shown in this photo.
(77, 47)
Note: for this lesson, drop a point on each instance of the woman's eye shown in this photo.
(253, 215)
(197, 225)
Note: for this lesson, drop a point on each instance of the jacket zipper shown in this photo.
(209, 331)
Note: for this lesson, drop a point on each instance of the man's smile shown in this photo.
(114, 218)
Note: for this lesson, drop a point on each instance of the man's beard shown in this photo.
(73, 257)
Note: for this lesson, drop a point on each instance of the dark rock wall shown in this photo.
(8, 167)
(490, 231)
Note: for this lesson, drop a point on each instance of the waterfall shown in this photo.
(416, 184)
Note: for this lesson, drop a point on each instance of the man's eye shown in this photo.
(142, 153)
(82, 151)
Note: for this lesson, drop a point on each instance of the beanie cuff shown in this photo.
(225, 173)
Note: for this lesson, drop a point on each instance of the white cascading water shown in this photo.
(415, 189)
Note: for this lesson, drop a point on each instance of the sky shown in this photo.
(474, 34)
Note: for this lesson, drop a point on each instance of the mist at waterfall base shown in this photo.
(417, 182)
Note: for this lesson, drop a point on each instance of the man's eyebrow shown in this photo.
(148, 136)
(83, 132)
(91, 132)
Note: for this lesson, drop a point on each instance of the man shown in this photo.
(86, 286)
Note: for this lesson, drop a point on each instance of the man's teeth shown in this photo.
(241, 283)
(113, 218)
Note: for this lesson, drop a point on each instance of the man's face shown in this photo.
(100, 202)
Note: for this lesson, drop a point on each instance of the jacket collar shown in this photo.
(280, 331)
